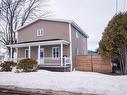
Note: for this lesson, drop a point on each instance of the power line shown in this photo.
(116, 6)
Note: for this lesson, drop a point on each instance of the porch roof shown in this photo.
(39, 42)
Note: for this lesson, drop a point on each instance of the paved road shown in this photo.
(6, 91)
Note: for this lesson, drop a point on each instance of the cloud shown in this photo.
(91, 15)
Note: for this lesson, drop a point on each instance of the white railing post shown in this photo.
(17, 54)
(67, 60)
(71, 68)
(61, 54)
(11, 54)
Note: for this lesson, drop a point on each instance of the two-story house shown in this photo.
(52, 42)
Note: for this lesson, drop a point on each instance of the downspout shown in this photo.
(70, 38)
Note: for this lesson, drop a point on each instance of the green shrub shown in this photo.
(7, 65)
(27, 65)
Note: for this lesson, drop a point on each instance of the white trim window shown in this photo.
(40, 32)
(77, 36)
(26, 53)
(55, 52)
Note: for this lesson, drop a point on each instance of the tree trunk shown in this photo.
(123, 60)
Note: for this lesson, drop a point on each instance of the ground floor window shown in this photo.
(26, 53)
(55, 52)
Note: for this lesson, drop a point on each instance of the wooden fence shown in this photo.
(93, 63)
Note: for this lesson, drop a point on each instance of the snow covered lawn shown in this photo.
(76, 81)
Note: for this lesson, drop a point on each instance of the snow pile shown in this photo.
(86, 82)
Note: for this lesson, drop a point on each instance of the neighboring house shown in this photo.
(1, 56)
(91, 52)
(52, 42)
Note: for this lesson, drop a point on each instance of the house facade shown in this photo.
(51, 42)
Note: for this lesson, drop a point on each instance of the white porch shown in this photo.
(61, 60)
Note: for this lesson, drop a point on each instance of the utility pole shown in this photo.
(124, 5)
(116, 6)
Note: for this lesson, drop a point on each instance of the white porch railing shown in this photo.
(52, 61)
(48, 61)
(66, 61)
(56, 61)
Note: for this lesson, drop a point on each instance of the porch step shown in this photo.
(55, 68)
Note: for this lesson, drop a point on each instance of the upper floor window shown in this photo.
(40, 32)
(77, 35)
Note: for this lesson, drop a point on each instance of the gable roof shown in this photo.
(57, 20)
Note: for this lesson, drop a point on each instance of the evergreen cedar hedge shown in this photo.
(7, 65)
(27, 65)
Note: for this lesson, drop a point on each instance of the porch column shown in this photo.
(29, 55)
(11, 54)
(38, 54)
(61, 54)
(17, 54)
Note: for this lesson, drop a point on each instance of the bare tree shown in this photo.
(16, 13)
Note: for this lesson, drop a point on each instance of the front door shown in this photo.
(42, 55)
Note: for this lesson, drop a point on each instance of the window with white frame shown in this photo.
(55, 52)
(26, 53)
(77, 36)
(40, 32)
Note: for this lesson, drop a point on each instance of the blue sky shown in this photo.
(91, 15)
